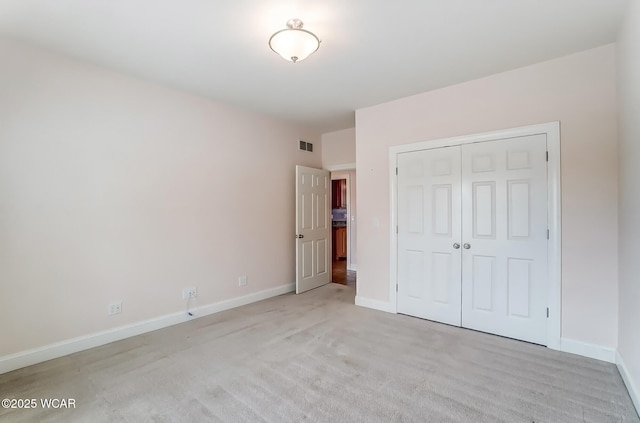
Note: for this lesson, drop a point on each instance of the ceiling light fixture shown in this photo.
(294, 43)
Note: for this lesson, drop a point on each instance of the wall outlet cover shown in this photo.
(191, 292)
(115, 308)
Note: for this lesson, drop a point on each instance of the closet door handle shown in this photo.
(466, 246)
(456, 245)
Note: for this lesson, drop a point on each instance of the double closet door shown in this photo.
(472, 236)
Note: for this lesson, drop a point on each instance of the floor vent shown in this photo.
(306, 146)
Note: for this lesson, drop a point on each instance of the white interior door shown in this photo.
(313, 228)
(504, 256)
(429, 234)
(472, 236)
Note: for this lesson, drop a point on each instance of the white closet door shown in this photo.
(504, 237)
(429, 234)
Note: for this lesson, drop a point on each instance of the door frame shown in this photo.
(554, 252)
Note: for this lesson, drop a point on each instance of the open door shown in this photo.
(313, 228)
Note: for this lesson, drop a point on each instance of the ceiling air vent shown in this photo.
(306, 146)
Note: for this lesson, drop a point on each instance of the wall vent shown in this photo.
(306, 146)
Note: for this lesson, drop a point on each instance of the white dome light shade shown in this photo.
(294, 43)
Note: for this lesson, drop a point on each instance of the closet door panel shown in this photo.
(504, 237)
(428, 227)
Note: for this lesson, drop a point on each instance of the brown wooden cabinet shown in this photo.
(339, 243)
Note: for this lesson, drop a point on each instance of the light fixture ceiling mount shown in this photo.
(294, 43)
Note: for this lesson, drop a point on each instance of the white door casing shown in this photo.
(313, 228)
(429, 233)
(544, 200)
(504, 237)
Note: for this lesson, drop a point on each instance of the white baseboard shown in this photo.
(352, 267)
(586, 349)
(632, 387)
(70, 346)
(375, 304)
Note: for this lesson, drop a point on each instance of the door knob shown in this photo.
(466, 246)
(456, 245)
(299, 236)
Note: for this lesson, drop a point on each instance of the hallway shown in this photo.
(340, 274)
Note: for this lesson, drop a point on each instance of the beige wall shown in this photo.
(629, 93)
(113, 188)
(577, 90)
(339, 148)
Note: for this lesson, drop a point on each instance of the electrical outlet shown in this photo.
(242, 280)
(115, 308)
(191, 292)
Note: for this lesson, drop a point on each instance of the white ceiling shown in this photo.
(372, 51)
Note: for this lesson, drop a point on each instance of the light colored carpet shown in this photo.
(317, 357)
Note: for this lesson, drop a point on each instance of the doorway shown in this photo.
(342, 228)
